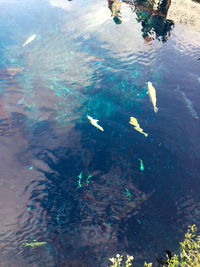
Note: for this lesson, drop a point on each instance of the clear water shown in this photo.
(62, 180)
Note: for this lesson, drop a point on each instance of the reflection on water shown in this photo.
(153, 19)
(82, 194)
(151, 14)
(115, 7)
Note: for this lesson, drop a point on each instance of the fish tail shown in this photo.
(155, 109)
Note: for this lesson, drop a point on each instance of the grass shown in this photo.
(189, 255)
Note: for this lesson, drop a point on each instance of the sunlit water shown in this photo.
(63, 181)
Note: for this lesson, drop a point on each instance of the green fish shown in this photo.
(141, 165)
(87, 181)
(79, 180)
(35, 244)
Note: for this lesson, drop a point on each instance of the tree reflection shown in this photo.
(115, 6)
(151, 14)
(153, 19)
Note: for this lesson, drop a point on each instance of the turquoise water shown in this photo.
(89, 194)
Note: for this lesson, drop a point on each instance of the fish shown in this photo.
(20, 102)
(141, 165)
(93, 58)
(35, 244)
(79, 180)
(29, 40)
(94, 123)
(152, 95)
(188, 104)
(133, 121)
(14, 70)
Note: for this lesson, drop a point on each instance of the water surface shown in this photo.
(63, 181)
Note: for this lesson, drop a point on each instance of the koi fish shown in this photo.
(141, 165)
(35, 244)
(29, 40)
(133, 121)
(152, 95)
(14, 70)
(188, 103)
(93, 58)
(94, 122)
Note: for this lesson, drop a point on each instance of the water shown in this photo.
(64, 182)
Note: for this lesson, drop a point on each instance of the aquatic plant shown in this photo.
(117, 262)
(190, 250)
(189, 255)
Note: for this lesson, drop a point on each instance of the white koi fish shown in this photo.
(133, 121)
(14, 70)
(152, 95)
(94, 122)
(29, 40)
